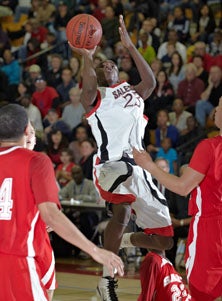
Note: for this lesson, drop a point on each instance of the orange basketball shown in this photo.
(84, 31)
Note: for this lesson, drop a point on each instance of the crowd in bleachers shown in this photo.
(181, 40)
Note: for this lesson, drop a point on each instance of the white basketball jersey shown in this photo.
(117, 121)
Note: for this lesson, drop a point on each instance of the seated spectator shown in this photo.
(63, 170)
(161, 98)
(75, 66)
(188, 140)
(173, 39)
(23, 7)
(72, 113)
(209, 98)
(205, 24)
(153, 40)
(33, 114)
(56, 142)
(176, 71)
(166, 59)
(110, 27)
(53, 122)
(215, 45)
(156, 65)
(79, 135)
(190, 89)
(22, 90)
(62, 17)
(201, 72)
(13, 71)
(181, 24)
(64, 88)
(145, 49)
(178, 116)
(44, 97)
(30, 76)
(54, 72)
(200, 48)
(87, 150)
(164, 129)
(81, 189)
(170, 154)
(44, 11)
(100, 11)
(128, 66)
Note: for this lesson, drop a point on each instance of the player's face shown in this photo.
(31, 139)
(110, 71)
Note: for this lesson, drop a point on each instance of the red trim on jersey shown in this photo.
(145, 117)
(165, 231)
(96, 106)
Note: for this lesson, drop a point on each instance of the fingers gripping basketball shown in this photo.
(84, 31)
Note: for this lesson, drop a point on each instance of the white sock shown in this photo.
(126, 242)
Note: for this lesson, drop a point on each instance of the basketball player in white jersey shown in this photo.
(115, 113)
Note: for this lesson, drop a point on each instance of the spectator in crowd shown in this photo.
(44, 97)
(205, 24)
(166, 59)
(164, 129)
(52, 122)
(56, 142)
(173, 39)
(87, 151)
(190, 89)
(189, 139)
(62, 17)
(178, 116)
(145, 49)
(200, 48)
(215, 45)
(170, 154)
(201, 72)
(63, 170)
(153, 40)
(30, 76)
(156, 65)
(75, 66)
(23, 7)
(176, 71)
(110, 27)
(54, 72)
(80, 134)
(64, 88)
(128, 66)
(208, 100)
(180, 23)
(44, 12)
(72, 113)
(33, 114)
(22, 90)
(13, 72)
(100, 11)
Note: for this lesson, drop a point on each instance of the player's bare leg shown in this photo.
(112, 238)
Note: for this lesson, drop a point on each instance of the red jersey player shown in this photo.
(29, 202)
(160, 281)
(203, 178)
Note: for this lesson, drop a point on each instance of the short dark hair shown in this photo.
(13, 122)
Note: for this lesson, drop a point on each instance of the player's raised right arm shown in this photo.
(89, 78)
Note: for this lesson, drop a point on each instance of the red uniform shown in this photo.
(26, 180)
(204, 245)
(160, 281)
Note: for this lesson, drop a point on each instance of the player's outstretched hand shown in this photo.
(125, 38)
(142, 158)
(110, 260)
(83, 51)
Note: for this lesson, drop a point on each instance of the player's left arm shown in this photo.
(148, 81)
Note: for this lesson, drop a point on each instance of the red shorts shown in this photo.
(46, 264)
(20, 279)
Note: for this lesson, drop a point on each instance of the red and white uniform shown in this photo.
(204, 245)
(118, 124)
(26, 180)
(160, 281)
